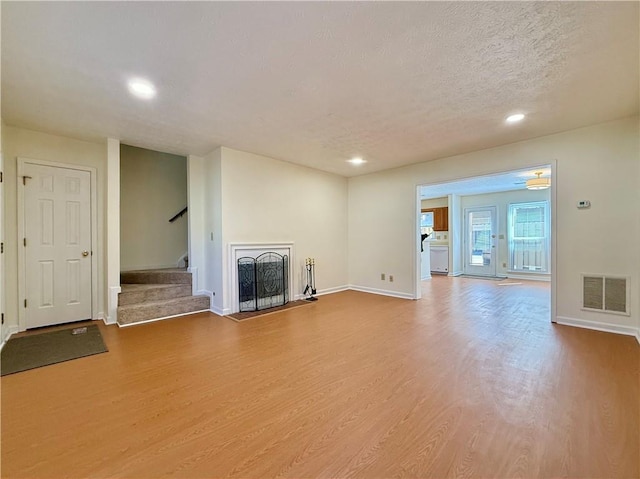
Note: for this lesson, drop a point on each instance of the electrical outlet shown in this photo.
(382, 277)
(390, 278)
(504, 265)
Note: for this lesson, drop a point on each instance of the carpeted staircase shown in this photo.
(157, 293)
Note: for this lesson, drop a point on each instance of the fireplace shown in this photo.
(238, 250)
(263, 282)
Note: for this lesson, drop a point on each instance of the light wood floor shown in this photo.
(471, 381)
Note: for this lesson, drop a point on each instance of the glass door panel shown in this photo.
(480, 227)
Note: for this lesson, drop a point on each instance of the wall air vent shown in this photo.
(607, 294)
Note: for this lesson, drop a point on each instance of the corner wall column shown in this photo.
(113, 229)
(196, 222)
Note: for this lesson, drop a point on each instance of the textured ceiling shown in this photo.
(318, 83)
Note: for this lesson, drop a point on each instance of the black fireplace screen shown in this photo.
(263, 282)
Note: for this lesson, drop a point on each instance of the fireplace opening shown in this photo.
(263, 282)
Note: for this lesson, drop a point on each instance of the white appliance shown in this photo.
(425, 263)
(439, 259)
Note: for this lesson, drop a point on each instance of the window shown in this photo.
(529, 236)
(426, 224)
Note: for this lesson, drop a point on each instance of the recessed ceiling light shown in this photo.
(357, 161)
(515, 118)
(142, 88)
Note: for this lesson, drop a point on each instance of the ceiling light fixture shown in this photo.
(357, 161)
(538, 183)
(515, 118)
(142, 88)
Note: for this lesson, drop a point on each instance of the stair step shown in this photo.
(156, 276)
(133, 313)
(144, 293)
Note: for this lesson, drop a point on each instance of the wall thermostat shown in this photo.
(584, 204)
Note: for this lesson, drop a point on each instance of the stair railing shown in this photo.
(178, 215)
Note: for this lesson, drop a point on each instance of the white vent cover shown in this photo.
(608, 294)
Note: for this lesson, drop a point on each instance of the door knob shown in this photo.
(85, 253)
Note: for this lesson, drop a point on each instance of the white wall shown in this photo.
(153, 188)
(501, 201)
(599, 163)
(19, 142)
(268, 201)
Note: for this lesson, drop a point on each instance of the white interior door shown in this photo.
(480, 241)
(58, 258)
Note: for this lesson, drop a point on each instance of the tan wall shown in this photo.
(153, 188)
(267, 200)
(19, 142)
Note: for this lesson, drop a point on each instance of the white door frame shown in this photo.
(3, 328)
(494, 231)
(22, 285)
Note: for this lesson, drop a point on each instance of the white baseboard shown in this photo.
(212, 308)
(336, 289)
(530, 277)
(599, 326)
(104, 318)
(204, 292)
(112, 307)
(163, 318)
(456, 273)
(383, 292)
(11, 330)
(638, 335)
(220, 311)
(322, 292)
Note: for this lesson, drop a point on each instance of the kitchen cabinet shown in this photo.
(440, 218)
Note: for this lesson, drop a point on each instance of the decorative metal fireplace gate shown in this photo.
(263, 282)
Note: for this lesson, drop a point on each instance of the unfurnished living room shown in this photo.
(320, 239)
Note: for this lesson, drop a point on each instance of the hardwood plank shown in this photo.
(471, 381)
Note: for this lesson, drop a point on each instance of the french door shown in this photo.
(480, 241)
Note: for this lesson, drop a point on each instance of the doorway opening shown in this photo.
(156, 280)
(497, 228)
(153, 216)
